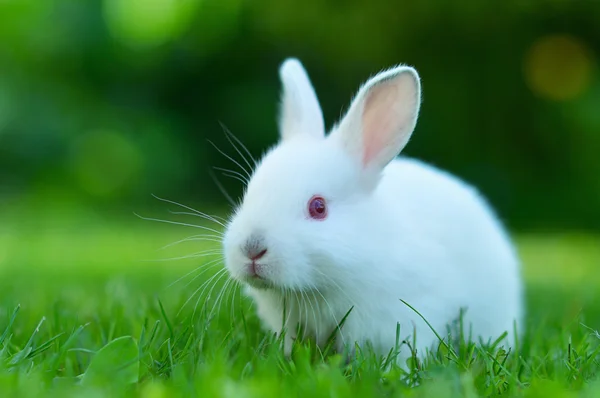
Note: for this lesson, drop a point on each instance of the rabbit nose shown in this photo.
(255, 248)
(252, 256)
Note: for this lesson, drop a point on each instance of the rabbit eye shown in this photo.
(317, 208)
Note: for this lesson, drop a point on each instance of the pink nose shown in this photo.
(253, 255)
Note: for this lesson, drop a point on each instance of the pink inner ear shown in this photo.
(386, 115)
(378, 120)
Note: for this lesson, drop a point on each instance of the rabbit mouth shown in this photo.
(259, 283)
(254, 275)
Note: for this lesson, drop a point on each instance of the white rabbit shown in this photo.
(334, 222)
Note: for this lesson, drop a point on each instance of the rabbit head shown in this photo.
(310, 188)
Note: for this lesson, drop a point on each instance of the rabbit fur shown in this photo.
(396, 229)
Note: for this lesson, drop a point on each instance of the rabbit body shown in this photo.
(395, 229)
(429, 240)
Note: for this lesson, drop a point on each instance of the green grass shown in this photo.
(71, 284)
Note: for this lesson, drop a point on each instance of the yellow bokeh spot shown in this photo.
(147, 23)
(104, 162)
(558, 67)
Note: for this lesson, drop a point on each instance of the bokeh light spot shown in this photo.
(104, 162)
(142, 23)
(558, 67)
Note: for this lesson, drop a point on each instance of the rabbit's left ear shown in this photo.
(300, 112)
(381, 118)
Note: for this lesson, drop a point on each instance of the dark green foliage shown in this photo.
(108, 108)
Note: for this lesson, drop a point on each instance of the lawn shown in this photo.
(74, 285)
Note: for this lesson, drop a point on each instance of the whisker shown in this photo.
(210, 216)
(198, 289)
(214, 284)
(206, 267)
(299, 309)
(236, 289)
(222, 189)
(181, 224)
(216, 302)
(337, 323)
(193, 255)
(184, 213)
(242, 180)
(312, 308)
(248, 174)
(221, 300)
(236, 173)
(238, 151)
(288, 300)
(229, 135)
(210, 263)
(329, 279)
(320, 315)
(204, 238)
(305, 311)
(220, 297)
(288, 306)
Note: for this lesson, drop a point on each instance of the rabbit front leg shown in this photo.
(289, 328)
(277, 317)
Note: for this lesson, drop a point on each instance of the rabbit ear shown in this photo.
(381, 117)
(300, 112)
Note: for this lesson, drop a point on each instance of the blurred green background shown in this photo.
(104, 102)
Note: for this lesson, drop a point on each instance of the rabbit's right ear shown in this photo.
(300, 112)
(381, 118)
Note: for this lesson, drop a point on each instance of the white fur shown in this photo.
(396, 229)
(300, 110)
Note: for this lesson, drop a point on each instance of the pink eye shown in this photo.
(317, 208)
